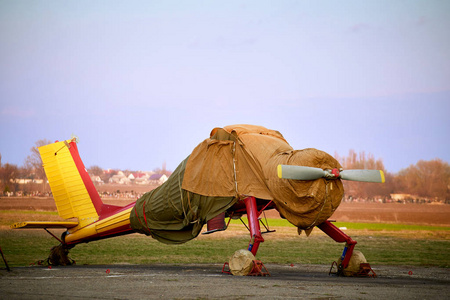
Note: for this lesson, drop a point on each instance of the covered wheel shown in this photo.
(354, 264)
(241, 262)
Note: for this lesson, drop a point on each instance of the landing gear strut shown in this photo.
(248, 265)
(245, 259)
(345, 267)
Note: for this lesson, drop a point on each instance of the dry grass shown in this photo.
(8, 217)
(387, 244)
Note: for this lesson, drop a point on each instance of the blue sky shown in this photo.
(143, 82)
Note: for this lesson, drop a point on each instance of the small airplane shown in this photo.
(238, 170)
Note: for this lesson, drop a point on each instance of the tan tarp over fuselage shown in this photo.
(235, 162)
(242, 160)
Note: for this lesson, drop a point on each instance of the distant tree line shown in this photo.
(30, 179)
(428, 180)
(31, 173)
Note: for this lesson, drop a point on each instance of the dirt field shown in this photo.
(424, 214)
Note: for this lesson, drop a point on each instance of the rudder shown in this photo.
(74, 193)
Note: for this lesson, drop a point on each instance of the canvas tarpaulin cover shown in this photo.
(235, 162)
(173, 215)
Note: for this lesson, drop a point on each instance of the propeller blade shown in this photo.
(300, 172)
(363, 175)
(310, 173)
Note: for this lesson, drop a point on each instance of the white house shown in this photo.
(158, 178)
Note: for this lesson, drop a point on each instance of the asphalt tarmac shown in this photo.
(208, 282)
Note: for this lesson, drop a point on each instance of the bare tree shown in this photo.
(429, 179)
(107, 175)
(8, 175)
(34, 162)
(95, 171)
(162, 171)
(362, 189)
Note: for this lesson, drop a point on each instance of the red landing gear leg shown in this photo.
(340, 237)
(253, 224)
(256, 238)
(336, 234)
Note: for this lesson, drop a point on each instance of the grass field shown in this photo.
(365, 226)
(384, 244)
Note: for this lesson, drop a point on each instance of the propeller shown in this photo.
(310, 173)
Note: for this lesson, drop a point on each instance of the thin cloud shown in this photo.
(422, 21)
(359, 27)
(17, 112)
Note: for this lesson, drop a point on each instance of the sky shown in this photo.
(142, 83)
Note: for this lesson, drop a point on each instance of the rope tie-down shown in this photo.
(58, 256)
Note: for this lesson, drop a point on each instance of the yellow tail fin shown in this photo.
(71, 195)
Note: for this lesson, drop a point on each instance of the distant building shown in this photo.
(158, 178)
(401, 197)
(119, 178)
(96, 180)
(142, 177)
(125, 180)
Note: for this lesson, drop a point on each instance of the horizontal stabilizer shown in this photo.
(45, 224)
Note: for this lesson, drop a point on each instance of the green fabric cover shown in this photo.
(173, 215)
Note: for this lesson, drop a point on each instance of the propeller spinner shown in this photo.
(310, 173)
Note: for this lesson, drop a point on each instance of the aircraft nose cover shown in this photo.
(305, 203)
(241, 160)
